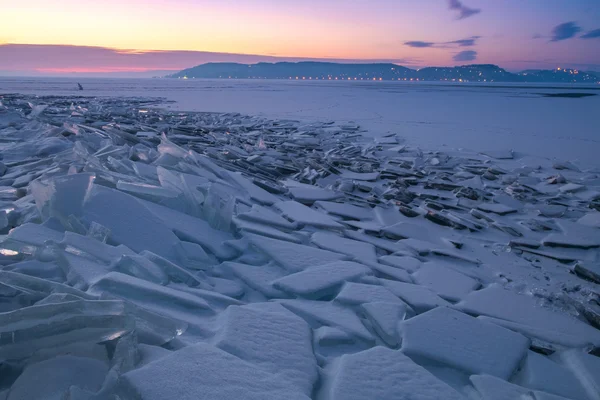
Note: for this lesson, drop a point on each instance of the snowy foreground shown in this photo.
(159, 255)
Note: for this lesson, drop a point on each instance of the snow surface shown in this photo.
(150, 254)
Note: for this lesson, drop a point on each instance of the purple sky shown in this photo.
(88, 37)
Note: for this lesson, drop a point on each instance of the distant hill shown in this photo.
(382, 71)
(559, 75)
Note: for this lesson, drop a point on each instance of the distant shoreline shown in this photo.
(465, 85)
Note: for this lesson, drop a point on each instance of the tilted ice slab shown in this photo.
(55, 376)
(291, 256)
(160, 299)
(409, 264)
(385, 318)
(38, 327)
(310, 194)
(420, 298)
(585, 367)
(359, 293)
(541, 373)
(345, 210)
(329, 314)
(359, 251)
(306, 216)
(381, 373)
(450, 337)
(267, 216)
(129, 222)
(264, 230)
(446, 282)
(203, 370)
(194, 230)
(317, 282)
(521, 310)
(279, 342)
(492, 388)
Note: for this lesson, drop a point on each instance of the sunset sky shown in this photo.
(147, 35)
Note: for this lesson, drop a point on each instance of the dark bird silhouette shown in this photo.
(80, 87)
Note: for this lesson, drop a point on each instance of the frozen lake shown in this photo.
(426, 114)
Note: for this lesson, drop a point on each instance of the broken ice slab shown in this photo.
(152, 328)
(591, 219)
(492, 388)
(259, 278)
(385, 317)
(194, 230)
(285, 351)
(496, 208)
(384, 244)
(359, 251)
(266, 216)
(589, 270)
(552, 210)
(54, 377)
(174, 271)
(27, 238)
(39, 286)
(385, 271)
(219, 206)
(220, 375)
(148, 192)
(140, 267)
(360, 176)
(458, 340)
(541, 373)
(359, 293)
(255, 192)
(585, 367)
(571, 188)
(420, 298)
(574, 235)
(25, 331)
(359, 376)
(345, 210)
(310, 194)
(319, 313)
(62, 196)
(497, 302)
(264, 230)
(306, 216)
(320, 281)
(448, 283)
(409, 264)
(81, 272)
(43, 270)
(163, 300)
(291, 256)
(130, 223)
(86, 246)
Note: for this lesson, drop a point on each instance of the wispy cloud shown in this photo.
(467, 55)
(419, 44)
(468, 42)
(463, 11)
(465, 42)
(592, 34)
(565, 31)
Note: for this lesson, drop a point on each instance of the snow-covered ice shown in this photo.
(156, 254)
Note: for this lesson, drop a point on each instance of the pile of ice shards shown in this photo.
(151, 254)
